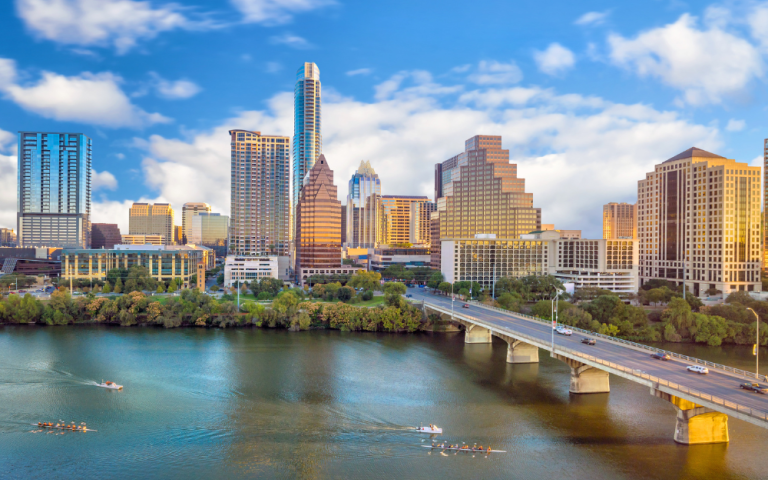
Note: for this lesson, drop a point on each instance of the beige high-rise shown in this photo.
(698, 218)
(396, 218)
(189, 210)
(149, 219)
(420, 228)
(619, 220)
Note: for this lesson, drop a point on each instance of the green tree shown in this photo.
(118, 286)
(345, 293)
(171, 287)
(435, 279)
(160, 287)
(365, 280)
(678, 314)
(107, 288)
(510, 301)
(445, 287)
(284, 301)
(709, 330)
(395, 288)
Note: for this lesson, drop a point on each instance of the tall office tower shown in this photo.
(619, 220)
(435, 251)
(481, 193)
(178, 235)
(343, 224)
(318, 220)
(765, 204)
(7, 237)
(307, 137)
(210, 230)
(189, 210)
(363, 207)
(105, 235)
(698, 219)
(420, 228)
(396, 218)
(260, 210)
(149, 219)
(54, 190)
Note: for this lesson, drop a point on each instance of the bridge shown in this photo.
(703, 402)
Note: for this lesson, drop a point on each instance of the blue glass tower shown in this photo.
(54, 190)
(307, 139)
(363, 201)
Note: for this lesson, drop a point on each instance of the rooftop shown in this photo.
(694, 152)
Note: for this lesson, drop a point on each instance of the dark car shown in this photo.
(589, 341)
(408, 295)
(466, 305)
(661, 356)
(755, 387)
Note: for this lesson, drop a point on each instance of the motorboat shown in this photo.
(430, 429)
(109, 385)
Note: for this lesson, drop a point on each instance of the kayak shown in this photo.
(429, 430)
(473, 450)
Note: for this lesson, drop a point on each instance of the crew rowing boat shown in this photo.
(71, 428)
(473, 450)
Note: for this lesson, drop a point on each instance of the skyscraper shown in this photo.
(54, 190)
(396, 218)
(698, 222)
(105, 235)
(619, 220)
(420, 228)
(149, 219)
(307, 137)
(362, 210)
(481, 193)
(318, 221)
(210, 230)
(260, 213)
(189, 210)
(765, 204)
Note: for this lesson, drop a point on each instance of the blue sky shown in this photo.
(587, 95)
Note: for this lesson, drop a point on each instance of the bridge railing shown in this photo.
(634, 372)
(716, 366)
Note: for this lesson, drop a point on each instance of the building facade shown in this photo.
(7, 237)
(698, 222)
(381, 258)
(142, 240)
(53, 202)
(247, 269)
(765, 204)
(363, 215)
(211, 230)
(396, 217)
(152, 219)
(607, 264)
(434, 241)
(481, 193)
(307, 131)
(189, 210)
(619, 220)
(105, 235)
(421, 228)
(260, 184)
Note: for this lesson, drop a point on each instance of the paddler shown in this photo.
(489, 449)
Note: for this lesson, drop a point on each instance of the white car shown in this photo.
(564, 331)
(697, 369)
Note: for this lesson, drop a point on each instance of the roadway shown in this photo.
(725, 386)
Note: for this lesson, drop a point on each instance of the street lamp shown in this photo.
(453, 299)
(757, 341)
(554, 317)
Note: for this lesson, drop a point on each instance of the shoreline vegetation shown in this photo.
(659, 312)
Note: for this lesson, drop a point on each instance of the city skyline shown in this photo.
(160, 123)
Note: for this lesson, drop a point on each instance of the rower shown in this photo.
(489, 449)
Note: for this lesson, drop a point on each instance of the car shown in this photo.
(564, 331)
(588, 341)
(697, 369)
(408, 295)
(661, 356)
(755, 387)
(466, 305)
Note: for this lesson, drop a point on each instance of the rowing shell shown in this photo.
(437, 447)
(64, 428)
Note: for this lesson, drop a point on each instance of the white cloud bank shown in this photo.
(576, 153)
(8, 168)
(555, 60)
(276, 11)
(102, 180)
(93, 98)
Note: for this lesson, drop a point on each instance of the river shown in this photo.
(210, 403)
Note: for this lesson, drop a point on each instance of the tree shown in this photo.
(285, 301)
(107, 288)
(435, 279)
(397, 272)
(510, 301)
(10, 281)
(215, 288)
(713, 291)
(345, 293)
(394, 288)
(590, 293)
(171, 287)
(220, 279)
(445, 287)
(160, 287)
(365, 280)
(678, 314)
(118, 286)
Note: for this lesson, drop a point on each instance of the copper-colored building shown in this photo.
(434, 241)
(105, 235)
(396, 218)
(318, 220)
(481, 193)
(619, 220)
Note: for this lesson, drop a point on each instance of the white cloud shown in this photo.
(360, 71)
(758, 22)
(174, 90)
(555, 59)
(93, 98)
(592, 18)
(735, 125)
(276, 11)
(102, 180)
(561, 143)
(8, 167)
(274, 67)
(496, 73)
(291, 40)
(706, 65)
(117, 23)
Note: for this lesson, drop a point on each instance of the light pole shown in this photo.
(554, 318)
(757, 341)
(453, 299)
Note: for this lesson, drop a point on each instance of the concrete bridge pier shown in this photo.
(476, 334)
(585, 378)
(520, 352)
(696, 425)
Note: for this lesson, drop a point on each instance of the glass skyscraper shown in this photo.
(307, 138)
(54, 190)
(362, 222)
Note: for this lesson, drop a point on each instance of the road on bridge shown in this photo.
(715, 383)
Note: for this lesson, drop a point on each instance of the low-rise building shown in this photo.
(143, 240)
(245, 269)
(105, 235)
(601, 263)
(381, 258)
